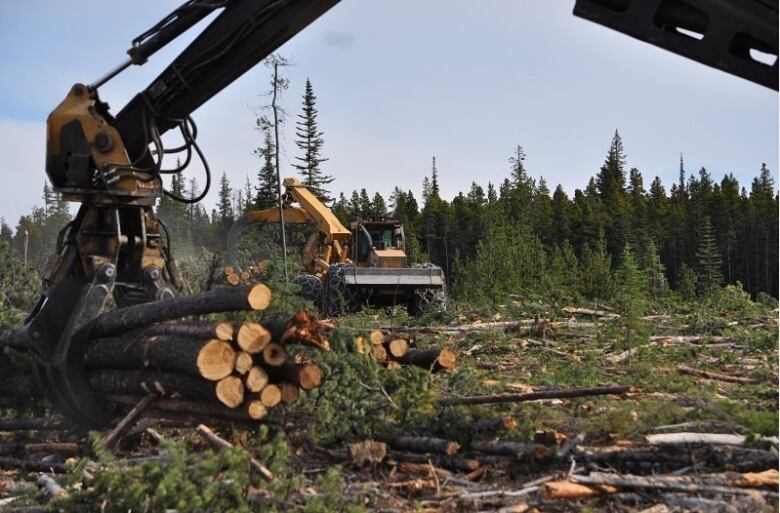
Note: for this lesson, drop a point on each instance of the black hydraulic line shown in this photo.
(243, 34)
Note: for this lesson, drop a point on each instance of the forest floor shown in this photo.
(700, 369)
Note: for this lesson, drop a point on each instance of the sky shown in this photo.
(400, 81)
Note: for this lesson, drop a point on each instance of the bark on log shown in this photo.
(209, 408)
(533, 396)
(715, 375)
(50, 487)
(457, 463)
(230, 391)
(32, 466)
(201, 330)
(511, 449)
(305, 375)
(217, 442)
(423, 444)
(37, 424)
(150, 382)
(506, 423)
(434, 359)
(715, 483)
(113, 437)
(212, 359)
(226, 299)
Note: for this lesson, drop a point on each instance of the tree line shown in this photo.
(508, 238)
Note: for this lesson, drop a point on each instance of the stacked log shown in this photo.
(250, 274)
(208, 369)
(393, 352)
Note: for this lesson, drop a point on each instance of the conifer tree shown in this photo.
(364, 204)
(631, 294)
(310, 141)
(434, 179)
(224, 203)
(267, 186)
(708, 260)
(378, 207)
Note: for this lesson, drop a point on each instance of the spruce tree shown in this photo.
(224, 203)
(378, 207)
(310, 141)
(708, 260)
(267, 186)
(631, 295)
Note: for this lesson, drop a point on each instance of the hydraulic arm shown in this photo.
(113, 166)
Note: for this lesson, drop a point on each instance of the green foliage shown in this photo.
(708, 260)
(687, 286)
(631, 296)
(358, 399)
(192, 480)
(186, 481)
(732, 299)
(310, 141)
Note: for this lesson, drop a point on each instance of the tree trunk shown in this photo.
(226, 299)
(150, 382)
(212, 359)
(434, 359)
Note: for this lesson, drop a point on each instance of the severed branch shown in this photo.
(534, 396)
(217, 442)
(115, 434)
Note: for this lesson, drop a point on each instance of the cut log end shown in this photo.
(377, 337)
(309, 376)
(253, 337)
(256, 379)
(259, 297)
(216, 360)
(224, 331)
(230, 391)
(290, 392)
(398, 347)
(270, 396)
(446, 359)
(380, 354)
(256, 410)
(233, 279)
(244, 362)
(274, 354)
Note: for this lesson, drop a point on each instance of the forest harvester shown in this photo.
(348, 267)
(111, 163)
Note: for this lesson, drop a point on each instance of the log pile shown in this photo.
(200, 369)
(393, 352)
(251, 272)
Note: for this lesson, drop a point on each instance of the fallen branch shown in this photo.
(694, 438)
(714, 375)
(534, 396)
(113, 437)
(713, 483)
(423, 444)
(219, 443)
(50, 487)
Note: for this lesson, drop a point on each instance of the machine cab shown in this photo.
(378, 244)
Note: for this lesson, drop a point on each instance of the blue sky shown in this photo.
(399, 81)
